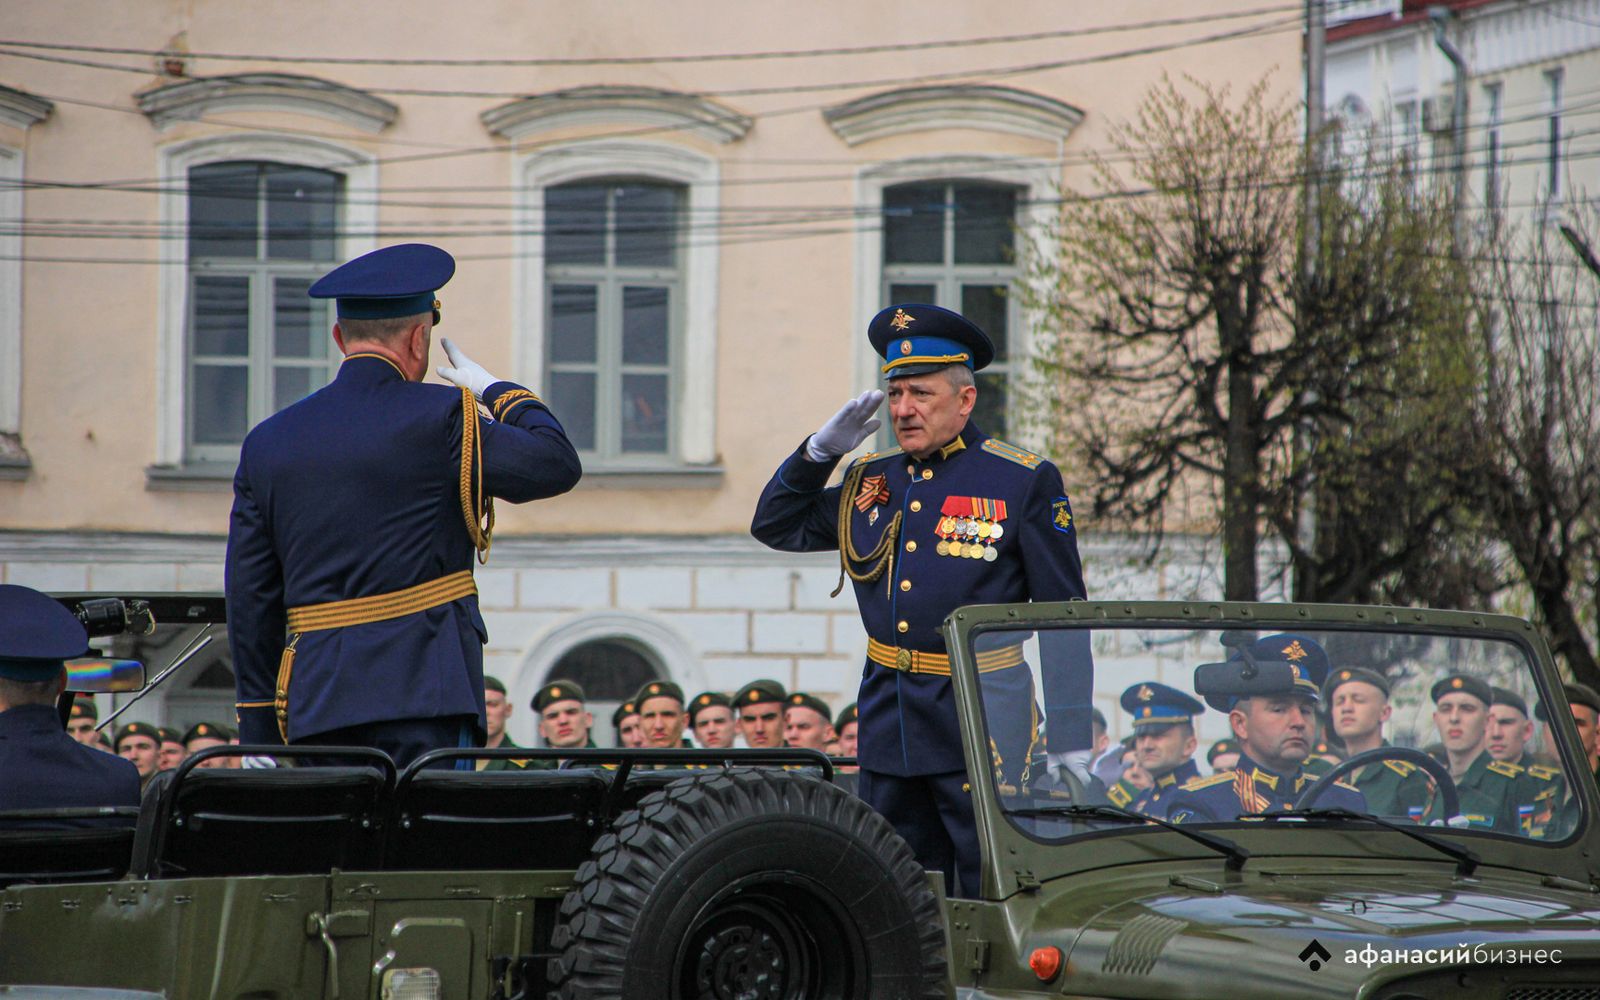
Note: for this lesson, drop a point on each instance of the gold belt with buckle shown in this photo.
(915, 661)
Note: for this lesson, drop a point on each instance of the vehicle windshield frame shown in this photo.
(1001, 838)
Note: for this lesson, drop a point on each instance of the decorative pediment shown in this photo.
(194, 98)
(630, 106)
(923, 109)
(22, 109)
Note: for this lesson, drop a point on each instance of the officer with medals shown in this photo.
(41, 766)
(1506, 740)
(1358, 702)
(952, 517)
(1163, 739)
(1494, 794)
(1274, 727)
(358, 512)
(711, 720)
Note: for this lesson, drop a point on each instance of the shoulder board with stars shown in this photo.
(1011, 453)
(1501, 767)
(1195, 784)
(1541, 772)
(1400, 767)
(874, 456)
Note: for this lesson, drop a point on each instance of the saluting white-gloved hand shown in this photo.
(846, 429)
(463, 371)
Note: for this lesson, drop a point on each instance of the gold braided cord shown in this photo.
(472, 496)
(882, 555)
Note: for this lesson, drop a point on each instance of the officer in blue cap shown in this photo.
(950, 517)
(358, 511)
(1163, 739)
(1274, 724)
(41, 766)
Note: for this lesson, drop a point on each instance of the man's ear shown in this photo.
(417, 342)
(338, 338)
(969, 398)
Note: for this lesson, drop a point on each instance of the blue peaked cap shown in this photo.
(401, 280)
(914, 338)
(1154, 704)
(37, 634)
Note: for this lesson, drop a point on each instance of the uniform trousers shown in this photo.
(933, 812)
(404, 740)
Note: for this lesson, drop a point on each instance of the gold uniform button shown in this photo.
(911, 546)
(916, 505)
(905, 584)
(903, 627)
(927, 473)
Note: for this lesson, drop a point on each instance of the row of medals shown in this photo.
(964, 537)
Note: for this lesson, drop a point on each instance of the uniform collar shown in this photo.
(970, 437)
(368, 365)
(1261, 775)
(1178, 775)
(30, 718)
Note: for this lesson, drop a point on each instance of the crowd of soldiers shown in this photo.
(760, 714)
(1506, 779)
(151, 749)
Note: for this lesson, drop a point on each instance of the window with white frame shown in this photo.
(954, 244)
(614, 294)
(259, 234)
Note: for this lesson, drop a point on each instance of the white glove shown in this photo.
(846, 429)
(463, 371)
(1076, 761)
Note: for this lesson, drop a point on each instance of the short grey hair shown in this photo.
(959, 376)
(14, 693)
(384, 331)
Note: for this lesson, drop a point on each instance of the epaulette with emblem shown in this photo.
(1400, 767)
(1501, 767)
(1541, 772)
(1012, 453)
(874, 456)
(1119, 796)
(1194, 784)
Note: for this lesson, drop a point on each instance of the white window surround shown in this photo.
(921, 109)
(647, 107)
(672, 650)
(358, 222)
(696, 431)
(1037, 181)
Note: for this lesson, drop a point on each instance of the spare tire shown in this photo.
(758, 885)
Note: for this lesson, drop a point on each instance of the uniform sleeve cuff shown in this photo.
(799, 474)
(502, 397)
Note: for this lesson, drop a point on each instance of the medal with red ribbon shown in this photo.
(969, 527)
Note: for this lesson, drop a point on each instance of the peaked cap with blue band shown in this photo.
(914, 339)
(37, 635)
(1307, 660)
(395, 281)
(1153, 704)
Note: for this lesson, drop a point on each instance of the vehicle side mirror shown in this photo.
(88, 676)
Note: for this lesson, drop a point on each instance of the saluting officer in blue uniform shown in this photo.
(41, 766)
(1274, 729)
(1163, 741)
(951, 517)
(352, 612)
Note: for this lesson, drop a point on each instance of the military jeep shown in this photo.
(754, 874)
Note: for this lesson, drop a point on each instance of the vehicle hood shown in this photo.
(1243, 938)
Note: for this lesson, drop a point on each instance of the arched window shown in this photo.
(608, 670)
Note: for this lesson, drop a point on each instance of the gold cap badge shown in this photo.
(901, 320)
(1295, 651)
(1144, 693)
(655, 689)
(555, 692)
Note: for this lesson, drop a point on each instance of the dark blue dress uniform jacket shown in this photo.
(1217, 798)
(355, 491)
(908, 723)
(42, 767)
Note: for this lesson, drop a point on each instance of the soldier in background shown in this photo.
(846, 725)
(760, 704)
(629, 726)
(203, 736)
(711, 719)
(139, 743)
(172, 751)
(1584, 704)
(1163, 738)
(1506, 740)
(1358, 701)
(807, 722)
(80, 724)
(661, 713)
(1493, 794)
(1132, 782)
(497, 709)
(1223, 756)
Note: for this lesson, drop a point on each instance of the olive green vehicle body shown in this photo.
(1136, 911)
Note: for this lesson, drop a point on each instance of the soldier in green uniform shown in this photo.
(629, 726)
(1223, 756)
(1133, 783)
(1506, 740)
(711, 720)
(497, 709)
(1494, 795)
(661, 710)
(1358, 703)
(1584, 703)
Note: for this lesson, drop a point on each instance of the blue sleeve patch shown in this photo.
(1061, 515)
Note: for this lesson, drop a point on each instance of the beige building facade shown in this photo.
(672, 221)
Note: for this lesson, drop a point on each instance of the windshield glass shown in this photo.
(1204, 726)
